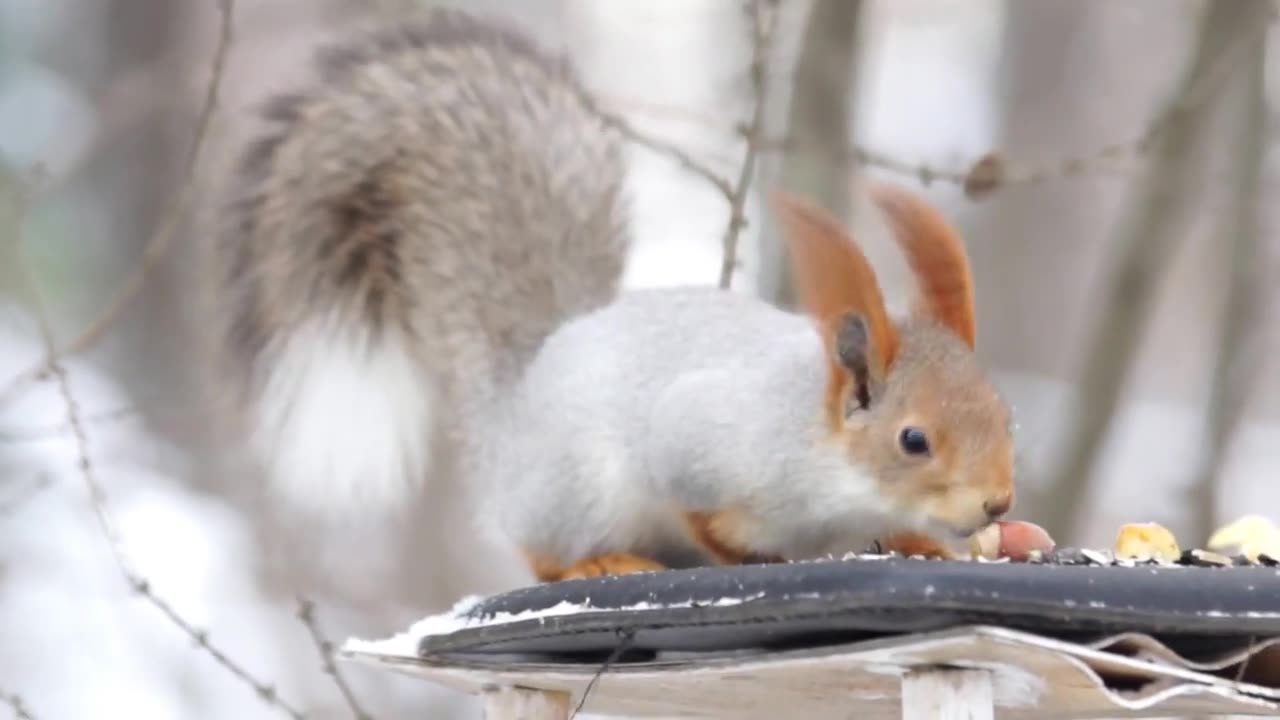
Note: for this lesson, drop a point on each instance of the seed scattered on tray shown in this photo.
(1096, 557)
(1205, 558)
(1250, 541)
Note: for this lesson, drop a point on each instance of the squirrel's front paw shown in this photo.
(914, 544)
(612, 564)
(600, 565)
(1011, 539)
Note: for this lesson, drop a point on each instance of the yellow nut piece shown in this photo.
(1251, 536)
(1146, 541)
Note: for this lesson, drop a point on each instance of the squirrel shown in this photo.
(419, 281)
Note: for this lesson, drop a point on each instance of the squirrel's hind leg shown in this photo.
(600, 565)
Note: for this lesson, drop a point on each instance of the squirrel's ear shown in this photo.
(937, 257)
(853, 350)
(835, 285)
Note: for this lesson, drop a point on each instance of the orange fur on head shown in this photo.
(833, 278)
(936, 255)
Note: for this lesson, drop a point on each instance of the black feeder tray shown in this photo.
(1078, 633)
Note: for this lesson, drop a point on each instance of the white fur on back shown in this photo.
(344, 424)
(674, 400)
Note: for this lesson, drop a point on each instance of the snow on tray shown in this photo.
(459, 617)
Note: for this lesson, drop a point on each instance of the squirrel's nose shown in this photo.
(999, 506)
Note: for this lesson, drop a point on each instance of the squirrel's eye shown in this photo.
(913, 441)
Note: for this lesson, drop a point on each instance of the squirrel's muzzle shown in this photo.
(999, 506)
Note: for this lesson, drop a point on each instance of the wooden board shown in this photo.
(1030, 674)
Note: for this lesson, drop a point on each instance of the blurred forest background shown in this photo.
(1108, 163)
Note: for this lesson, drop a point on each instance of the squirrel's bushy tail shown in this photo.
(400, 244)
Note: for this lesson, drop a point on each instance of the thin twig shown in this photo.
(307, 614)
(47, 432)
(624, 128)
(1240, 319)
(97, 496)
(1142, 245)
(158, 244)
(17, 705)
(626, 637)
(819, 124)
(991, 171)
(763, 18)
(171, 413)
(1248, 656)
(98, 501)
(266, 692)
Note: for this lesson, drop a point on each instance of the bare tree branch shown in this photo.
(158, 244)
(1234, 369)
(1143, 244)
(47, 432)
(993, 171)
(984, 175)
(818, 124)
(17, 705)
(763, 14)
(307, 614)
(653, 144)
(97, 496)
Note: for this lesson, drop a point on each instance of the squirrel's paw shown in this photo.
(608, 564)
(909, 544)
(1011, 539)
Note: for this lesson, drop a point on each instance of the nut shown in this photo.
(986, 542)
(1012, 539)
(1143, 542)
(1251, 536)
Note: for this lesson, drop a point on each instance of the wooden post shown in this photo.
(517, 703)
(948, 695)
